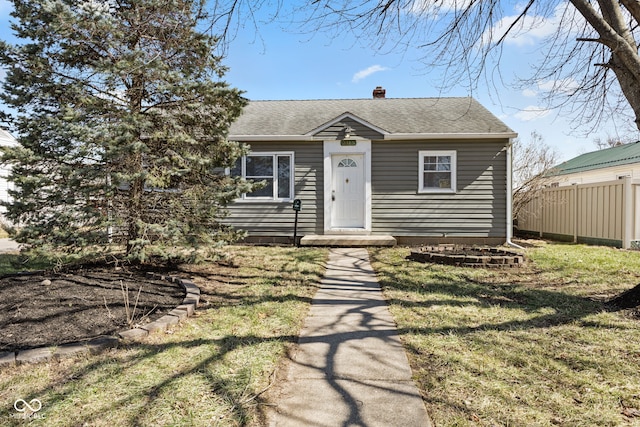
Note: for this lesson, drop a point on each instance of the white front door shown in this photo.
(347, 191)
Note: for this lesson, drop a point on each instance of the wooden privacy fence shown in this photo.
(604, 213)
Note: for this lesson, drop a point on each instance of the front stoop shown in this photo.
(347, 240)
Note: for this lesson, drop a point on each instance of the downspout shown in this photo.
(510, 196)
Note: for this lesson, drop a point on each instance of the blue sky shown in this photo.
(278, 63)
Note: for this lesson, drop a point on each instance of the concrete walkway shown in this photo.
(350, 368)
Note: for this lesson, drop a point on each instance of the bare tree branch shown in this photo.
(592, 56)
(532, 161)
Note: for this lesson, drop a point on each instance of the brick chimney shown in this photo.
(379, 92)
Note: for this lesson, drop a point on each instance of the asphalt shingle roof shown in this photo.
(615, 156)
(393, 115)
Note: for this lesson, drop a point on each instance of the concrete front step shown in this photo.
(347, 240)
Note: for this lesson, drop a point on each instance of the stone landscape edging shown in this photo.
(480, 257)
(101, 343)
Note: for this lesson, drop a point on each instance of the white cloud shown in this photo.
(566, 86)
(532, 112)
(529, 93)
(420, 7)
(367, 72)
(529, 29)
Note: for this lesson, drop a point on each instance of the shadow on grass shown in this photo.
(128, 395)
(522, 312)
(458, 289)
(138, 400)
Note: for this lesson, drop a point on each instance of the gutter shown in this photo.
(446, 136)
(386, 137)
(510, 197)
(271, 138)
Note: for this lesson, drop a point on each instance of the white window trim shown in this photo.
(292, 164)
(454, 171)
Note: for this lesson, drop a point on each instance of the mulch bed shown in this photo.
(49, 309)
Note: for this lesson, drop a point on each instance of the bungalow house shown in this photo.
(599, 166)
(375, 171)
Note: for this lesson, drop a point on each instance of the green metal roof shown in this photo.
(615, 156)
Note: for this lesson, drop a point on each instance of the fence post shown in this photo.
(542, 209)
(575, 215)
(635, 187)
(628, 217)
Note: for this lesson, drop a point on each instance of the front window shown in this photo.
(274, 169)
(437, 171)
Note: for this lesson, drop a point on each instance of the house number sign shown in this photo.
(348, 142)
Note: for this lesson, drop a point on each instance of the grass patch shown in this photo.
(533, 346)
(17, 262)
(209, 371)
(14, 262)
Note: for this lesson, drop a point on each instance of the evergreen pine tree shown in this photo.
(121, 116)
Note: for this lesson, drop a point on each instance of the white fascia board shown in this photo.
(429, 136)
(251, 138)
(342, 117)
(387, 136)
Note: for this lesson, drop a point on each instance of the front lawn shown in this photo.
(534, 346)
(208, 371)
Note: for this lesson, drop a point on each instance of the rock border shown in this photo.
(101, 343)
(484, 257)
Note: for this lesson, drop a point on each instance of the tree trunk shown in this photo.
(135, 215)
(629, 85)
(615, 34)
(627, 299)
(135, 93)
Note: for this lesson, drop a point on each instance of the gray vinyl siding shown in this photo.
(477, 209)
(277, 218)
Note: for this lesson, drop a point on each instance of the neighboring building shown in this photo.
(5, 140)
(593, 198)
(423, 170)
(609, 164)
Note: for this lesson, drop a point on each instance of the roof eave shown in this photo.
(387, 137)
(267, 138)
(441, 136)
